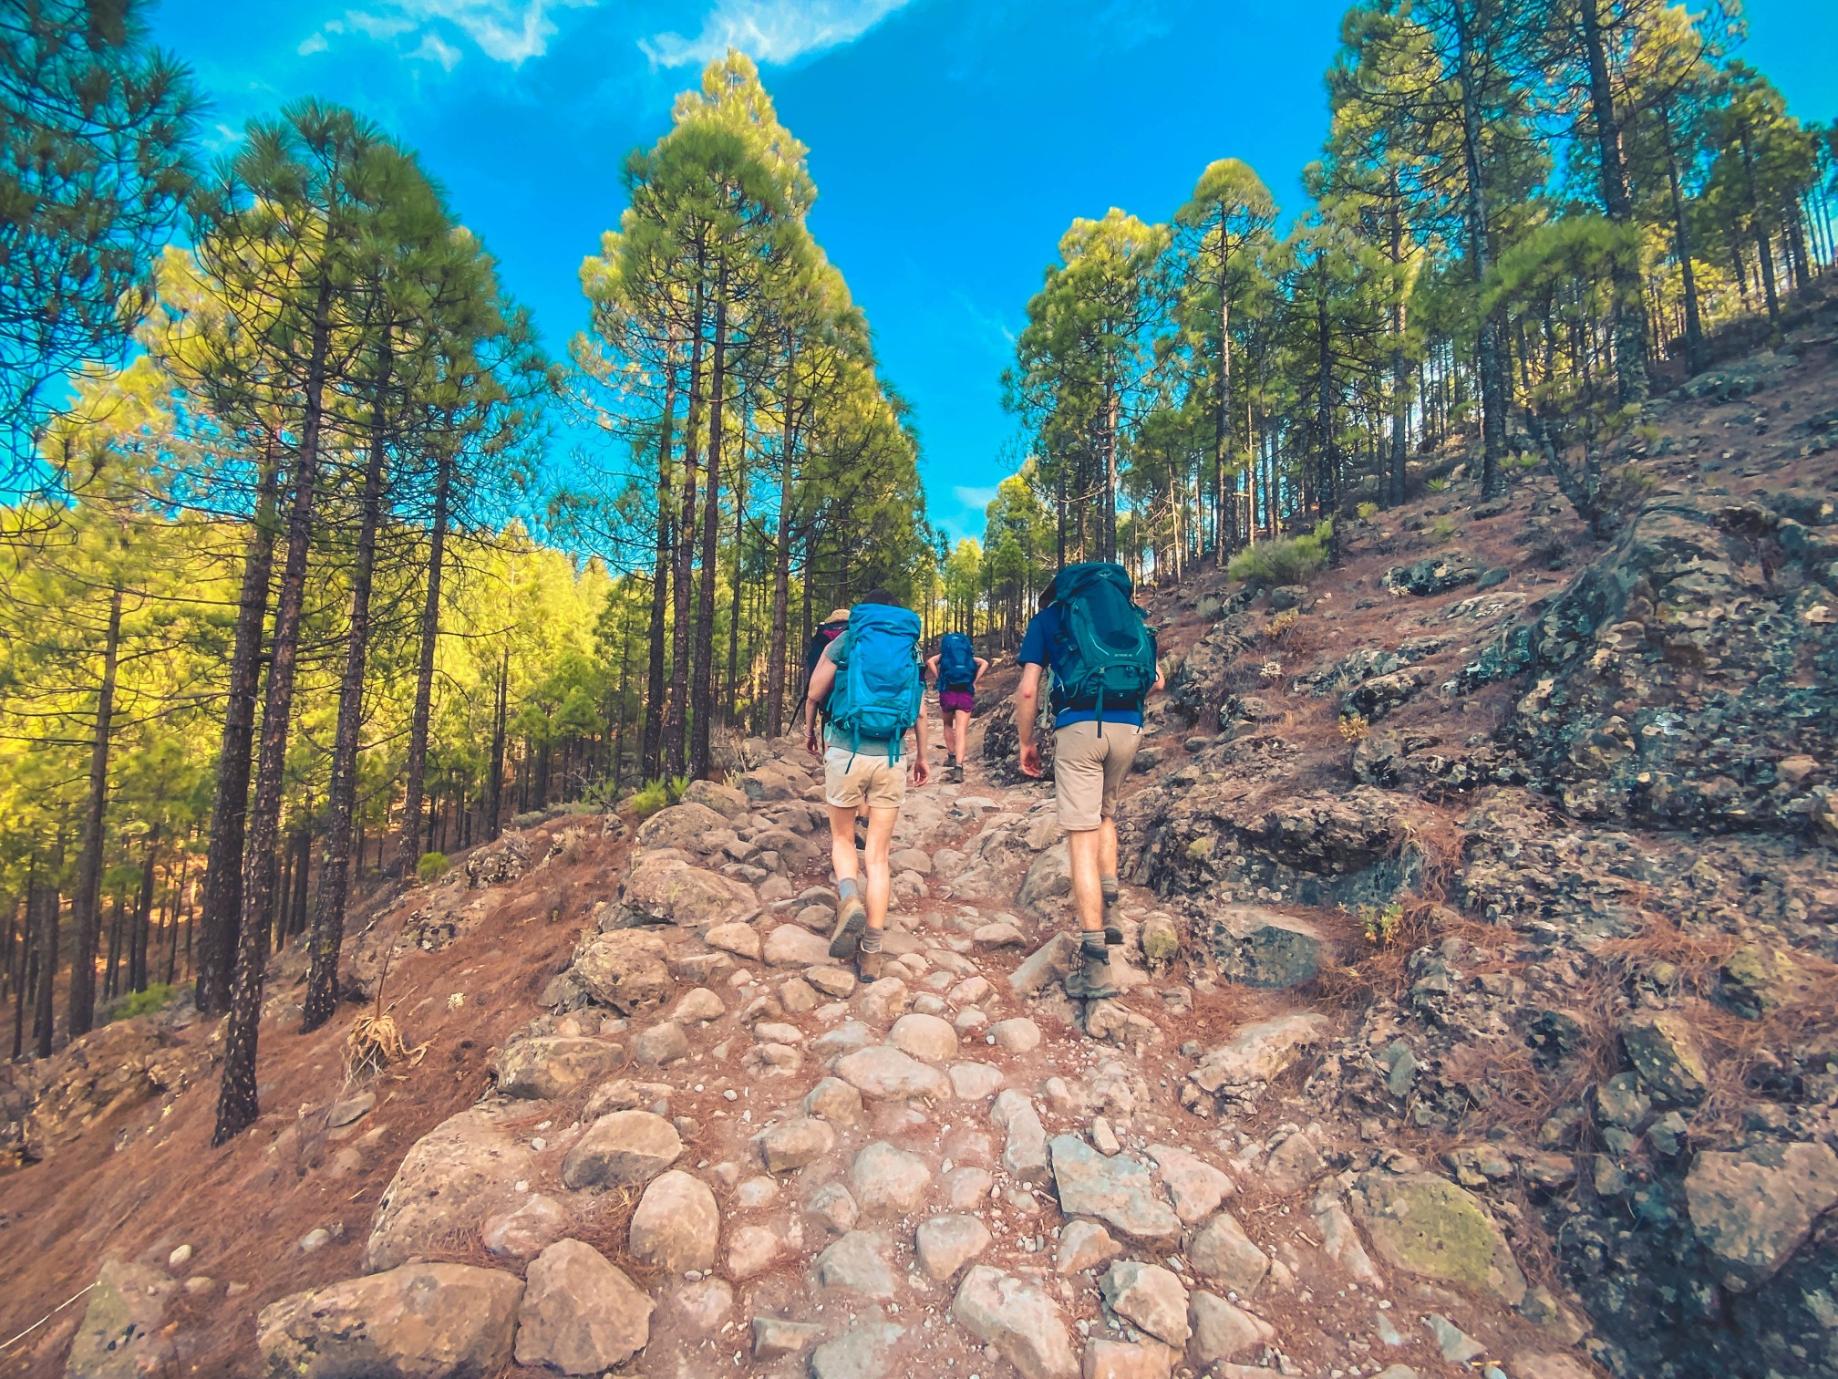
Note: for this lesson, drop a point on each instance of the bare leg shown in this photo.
(842, 842)
(1083, 848)
(962, 724)
(881, 820)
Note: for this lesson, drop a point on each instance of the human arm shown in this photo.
(823, 677)
(931, 669)
(982, 666)
(1027, 706)
(922, 772)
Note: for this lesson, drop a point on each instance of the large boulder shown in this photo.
(1428, 1226)
(624, 969)
(1754, 1208)
(665, 889)
(677, 1224)
(580, 1313)
(1260, 947)
(1688, 678)
(1020, 1320)
(92, 1079)
(123, 1334)
(420, 1321)
(461, 1172)
(689, 826)
(550, 1066)
(1243, 1064)
(499, 862)
(622, 1149)
(1117, 1189)
(724, 800)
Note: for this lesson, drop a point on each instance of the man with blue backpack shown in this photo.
(868, 684)
(955, 670)
(1101, 653)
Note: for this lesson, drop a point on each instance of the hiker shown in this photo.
(1097, 643)
(956, 669)
(867, 682)
(827, 631)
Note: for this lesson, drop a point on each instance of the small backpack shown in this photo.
(878, 694)
(956, 662)
(1106, 650)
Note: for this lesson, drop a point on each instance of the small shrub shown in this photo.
(654, 795)
(1289, 561)
(1282, 623)
(1443, 528)
(1271, 670)
(1353, 726)
(1439, 485)
(155, 997)
(1523, 459)
(1380, 923)
(432, 866)
(529, 818)
(1367, 511)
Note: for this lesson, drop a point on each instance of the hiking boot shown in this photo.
(851, 916)
(868, 965)
(957, 774)
(1092, 979)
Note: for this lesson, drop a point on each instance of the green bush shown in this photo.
(654, 795)
(155, 997)
(1367, 511)
(432, 866)
(1442, 528)
(1289, 561)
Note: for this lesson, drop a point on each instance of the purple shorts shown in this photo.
(951, 700)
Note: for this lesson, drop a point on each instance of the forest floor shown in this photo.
(142, 1180)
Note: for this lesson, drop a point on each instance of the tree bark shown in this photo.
(410, 852)
(1630, 324)
(676, 718)
(87, 909)
(222, 904)
(139, 974)
(1489, 361)
(778, 652)
(237, 1103)
(704, 697)
(660, 585)
(341, 797)
(1681, 246)
(494, 803)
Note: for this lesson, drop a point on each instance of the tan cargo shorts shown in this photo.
(1087, 769)
(853, 779)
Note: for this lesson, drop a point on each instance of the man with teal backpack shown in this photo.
(867, 682)
(1097, 643)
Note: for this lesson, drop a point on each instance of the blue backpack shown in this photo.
(1106, 651)
(956, 662)
(878, 693)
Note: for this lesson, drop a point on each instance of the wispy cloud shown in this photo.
(973, 497)
(507, 31)
(775, 31)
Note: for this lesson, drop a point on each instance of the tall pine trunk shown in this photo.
(410, 851)
(223, 867)
(1681, 246)
(676, 719)
(237, 1104)
(341, 799)
(494, 790)
(87, 910)
(704, 697)
(660, 585)
(1630, 323)
(778, 652)
(1491, 358)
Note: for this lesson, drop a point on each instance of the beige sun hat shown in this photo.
(838, 615)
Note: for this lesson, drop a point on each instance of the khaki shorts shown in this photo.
(854, 779)
(1088, 768)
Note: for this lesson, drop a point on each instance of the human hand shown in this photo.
(810, 743)
(921, 772)
(1030, 760)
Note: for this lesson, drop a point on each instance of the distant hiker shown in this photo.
(1097, 643)
(827, 631)
(955, 670)
(869, 677)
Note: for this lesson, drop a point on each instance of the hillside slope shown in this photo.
(1481, 1015)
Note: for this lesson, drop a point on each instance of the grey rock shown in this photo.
(419, 1321)
(1020, 1320)
(1117, 1191)
(580, 1314)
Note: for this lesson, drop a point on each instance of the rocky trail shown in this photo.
(1479, 1019)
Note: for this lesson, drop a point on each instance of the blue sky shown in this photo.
(952, 141)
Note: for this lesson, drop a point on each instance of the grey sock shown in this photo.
(1093, 946)
(871, 940)
(1108, 885)
(845, 888)
(1113, 936)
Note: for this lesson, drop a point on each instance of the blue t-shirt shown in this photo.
(1039, 646)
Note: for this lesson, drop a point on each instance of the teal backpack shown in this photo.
(878, 693)
(1106, 652)
(956, 662)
